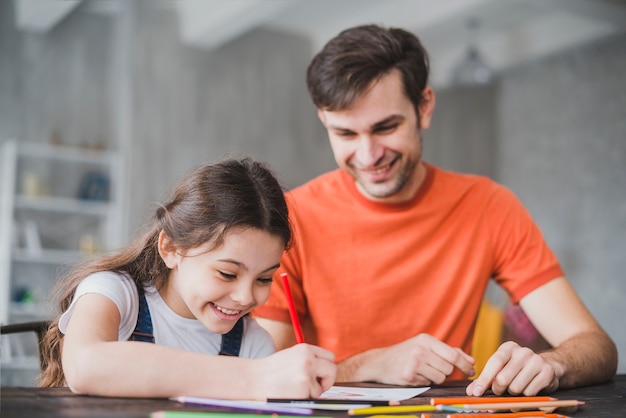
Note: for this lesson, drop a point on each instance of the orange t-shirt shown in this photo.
(366, 275)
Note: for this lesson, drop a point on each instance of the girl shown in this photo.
(204, 263)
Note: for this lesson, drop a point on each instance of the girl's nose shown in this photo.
(242, 294)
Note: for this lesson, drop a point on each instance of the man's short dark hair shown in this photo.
(348, 64)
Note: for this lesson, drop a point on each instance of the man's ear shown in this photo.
(320, 114)
(426, 107)
(167, 250)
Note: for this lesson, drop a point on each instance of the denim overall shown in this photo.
(231, 341)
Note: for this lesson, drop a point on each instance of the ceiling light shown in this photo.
(472, 70)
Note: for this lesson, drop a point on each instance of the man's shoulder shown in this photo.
(324, 194)
(324, 184)
(454, 180)
(475, 189)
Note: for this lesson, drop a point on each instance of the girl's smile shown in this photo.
(227, 312)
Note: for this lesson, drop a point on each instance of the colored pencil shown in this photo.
(258, 407)
(292, 309)
(516, 406)
(372, 402)
(525, 414)
(474, 399)
(200, 414)
(424, 415)
(378, 410)
(399, 416)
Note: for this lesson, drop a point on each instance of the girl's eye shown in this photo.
(228, 276)
(265, 280)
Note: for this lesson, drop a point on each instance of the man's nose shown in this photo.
(369, 151)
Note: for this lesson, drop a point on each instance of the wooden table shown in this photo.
(606, 400)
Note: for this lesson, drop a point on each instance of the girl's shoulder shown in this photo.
(108, 278)
(118, 287)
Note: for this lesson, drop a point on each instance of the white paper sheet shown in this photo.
(372, 394)
(335, 393)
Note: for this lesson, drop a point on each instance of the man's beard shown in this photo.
(405, 175)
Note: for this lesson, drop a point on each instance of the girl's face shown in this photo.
(217, 286)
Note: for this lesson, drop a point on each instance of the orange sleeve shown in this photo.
(523, 259)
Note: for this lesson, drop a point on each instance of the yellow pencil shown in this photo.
(402, 416)
(396, 416)
(377, 410)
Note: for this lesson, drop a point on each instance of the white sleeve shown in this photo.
(257, 342)
(119, 288)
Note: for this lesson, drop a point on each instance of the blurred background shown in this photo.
(104, 104)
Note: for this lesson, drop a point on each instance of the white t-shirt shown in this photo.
(169, 328)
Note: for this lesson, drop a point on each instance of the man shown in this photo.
(392, 255)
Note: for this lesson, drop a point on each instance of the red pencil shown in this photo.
(292, 309)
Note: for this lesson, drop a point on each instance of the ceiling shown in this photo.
(510, 32)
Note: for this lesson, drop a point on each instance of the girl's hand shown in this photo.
(301, 371)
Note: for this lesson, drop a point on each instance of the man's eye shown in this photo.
(387, 128)
(228, 276)
(345, 134)
(265, 280)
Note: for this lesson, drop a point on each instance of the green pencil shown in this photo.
(197, 414)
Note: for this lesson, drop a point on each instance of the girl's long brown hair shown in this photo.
(204, 206)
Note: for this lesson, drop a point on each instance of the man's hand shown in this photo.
(516, 370)
(582, 352)
(419, 361)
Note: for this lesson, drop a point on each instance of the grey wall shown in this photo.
(463, 131)
(192, 105)
(556, 137)
(554, 131)
(58, 82)
(180, 106)
(9, 93)
(562, 149)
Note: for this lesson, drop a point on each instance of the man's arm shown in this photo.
(583, 353)
(421, 360)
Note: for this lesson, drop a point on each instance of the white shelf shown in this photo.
(43, 224)
(61, 205)
(45, 256)
(21, 363)
(64, 153)
(29, 311)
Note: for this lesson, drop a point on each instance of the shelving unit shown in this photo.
(54, 200)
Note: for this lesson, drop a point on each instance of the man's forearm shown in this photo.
(585, 359)
(355, 368)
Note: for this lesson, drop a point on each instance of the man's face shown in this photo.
(378, 142)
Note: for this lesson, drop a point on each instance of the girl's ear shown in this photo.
(167, 250)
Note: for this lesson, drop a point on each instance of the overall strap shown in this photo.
(231, 341)
(143, 329)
